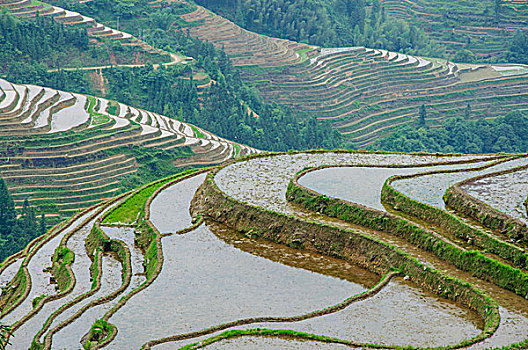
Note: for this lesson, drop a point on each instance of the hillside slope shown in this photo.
(366, 93)
(478, 26)
(67, 151)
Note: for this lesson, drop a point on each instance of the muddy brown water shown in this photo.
(255, 343)
(401, 314)
(206, 281)
(506, 192)
(267, 180)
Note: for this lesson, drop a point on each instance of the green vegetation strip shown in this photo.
(62, 260)
(28, 253)
(97, 118)
(448, 222)
(246, 321)
(45, 239)
(101, 333)
(474, 262)
(123, 256)
(96, 267)
(263, 332)
(149, 240)
(128, 212)
(464, 203)
(351, 245)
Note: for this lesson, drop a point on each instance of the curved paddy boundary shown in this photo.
(127, 275)
(28, 253)
(36, 344)
(351, 245)
(462, 202)
(43, 240)
(400, 202)
(491, 270)
(285, 333)
(31, 249)
(123, 257)
(277, 319)
(147, 227)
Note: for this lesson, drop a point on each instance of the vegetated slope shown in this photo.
(66, 152)
(23, 8)
(478, 26)
(101, 274)
(366, 93)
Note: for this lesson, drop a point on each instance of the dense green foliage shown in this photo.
(224, 108)
(327, 23)
(128, 211)
(42, 41)
(518, 48)
(504, 134)
(16, 233)
(29, 47)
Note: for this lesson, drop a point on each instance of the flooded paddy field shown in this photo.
(263, 181)
(208, 281)
(505, 192)
(213, 275)
(429, 189)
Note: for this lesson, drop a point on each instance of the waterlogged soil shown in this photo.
(266, 179)
(81, 270)
(40, 280)
(206, 281)
(429, 189)
(70, 336)
(24, 335)
(256, 343)
(400, 314)
(362, 185)
(263, 181)
(505, 193)
(169, 211)
(127, 236)
(9, 272)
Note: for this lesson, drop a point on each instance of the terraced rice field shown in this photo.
(65, 152)
(244, 47)
(471, 25)
(267, 269)
(27, 8)
(364, 93)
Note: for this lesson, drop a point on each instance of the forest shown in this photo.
(461, 135)
(221, 108)
(328, 23)
(17, 229)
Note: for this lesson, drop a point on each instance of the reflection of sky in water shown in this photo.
(361, 185)
(205, 282)
(263, 181)
(169, 211)
(429, 189)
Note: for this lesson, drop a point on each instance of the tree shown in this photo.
(467, 112)
(498, 5)
(7, 210)
(422, 115)
(43, 225)
(464, 56)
